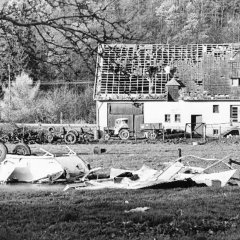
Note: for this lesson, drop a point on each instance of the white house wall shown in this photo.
(102, 114)
(154, 112)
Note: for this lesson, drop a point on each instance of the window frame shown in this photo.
(234, 113)
(215, 108)
(167, 118)
(177, 118)
(215, 132)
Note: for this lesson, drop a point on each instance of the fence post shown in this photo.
(219, 132)
(191, 131)
(204, 132)
(135, 133)
(179, 152)
(61, 117)
(163, 134)
(185, 131)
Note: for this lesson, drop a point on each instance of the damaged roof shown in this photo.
(142, 71)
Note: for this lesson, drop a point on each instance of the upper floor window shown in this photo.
(215, 108)
(177, 118)
(167, 117)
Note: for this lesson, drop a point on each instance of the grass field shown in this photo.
(46, 212)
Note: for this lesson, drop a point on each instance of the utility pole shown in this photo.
(9, 88)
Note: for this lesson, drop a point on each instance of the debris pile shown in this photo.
(173, 174)
(45, 168)
(70, 168)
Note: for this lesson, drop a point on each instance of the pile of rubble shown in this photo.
(173, 174)
(185, 171)
(39, 169)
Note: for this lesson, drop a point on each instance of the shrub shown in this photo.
(19, 103)
(29, 104)
(67, 105)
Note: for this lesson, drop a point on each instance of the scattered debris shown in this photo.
(29, 168)
(98, 150)
(45, 168)
(138, 209)
(174, 174)
(26, 167)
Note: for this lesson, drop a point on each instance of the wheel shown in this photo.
(106, 136)
(152, 135)
(22, 149)
(49, 138)
(51, 129)
(70, 138)
(73, 131)
(88, 137)
(3, 151)
(124, 134)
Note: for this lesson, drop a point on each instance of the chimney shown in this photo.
(173, 90)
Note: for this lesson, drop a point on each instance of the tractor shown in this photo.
(121, 130)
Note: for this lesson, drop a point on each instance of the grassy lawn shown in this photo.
(194, 213)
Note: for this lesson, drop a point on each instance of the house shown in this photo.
(194, 87)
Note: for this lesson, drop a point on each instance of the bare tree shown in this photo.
(59, 32)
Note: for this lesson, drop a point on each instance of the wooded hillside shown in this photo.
(57, 40)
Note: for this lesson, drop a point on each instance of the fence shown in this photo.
(216, 130)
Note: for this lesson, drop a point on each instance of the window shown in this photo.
(215, 108)
(234, 70)
(215, 131)
(234, 113)
(167, 117)
(235, 82)
(177, 118)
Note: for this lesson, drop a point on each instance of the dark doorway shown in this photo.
(197, 126)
